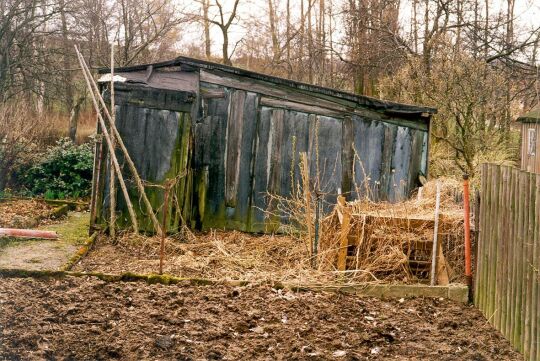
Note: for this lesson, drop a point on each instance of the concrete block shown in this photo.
(458, 292)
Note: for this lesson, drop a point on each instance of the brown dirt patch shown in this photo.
(88, 319)
(24, 213)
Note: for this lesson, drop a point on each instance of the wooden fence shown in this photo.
(507, 277)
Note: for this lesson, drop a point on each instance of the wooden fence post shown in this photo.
(344, 235)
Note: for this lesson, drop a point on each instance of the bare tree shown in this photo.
(144, 23)
(223, 21)
(206, 22)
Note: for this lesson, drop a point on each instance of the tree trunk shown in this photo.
(207, 43)
(310, 43)
(74, 119)
(288, 44)
(225, 48)
(300, 75)
(69, 91)
(273, 32)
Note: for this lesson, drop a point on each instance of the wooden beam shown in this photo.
(343, 238)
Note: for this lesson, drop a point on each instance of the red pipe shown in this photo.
(27, 233)
(467, 221)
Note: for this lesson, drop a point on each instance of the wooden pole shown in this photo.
(98, 148)
(164, 226)
(127, 157)
(344, 235)
(109, 144)
(112, 178)
(435, 237)
(307, 198)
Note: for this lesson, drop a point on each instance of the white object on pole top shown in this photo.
(106, 78)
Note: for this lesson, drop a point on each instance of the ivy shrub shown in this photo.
(65, 171)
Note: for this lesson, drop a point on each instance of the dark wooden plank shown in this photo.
(347, 157)
(400, 165)
(233, 145)
(240, 219)
(516, 263)
(274, 162)
(495, 176)
(214, 146)
(328, 158)
(181, 165)
(140, 96)
(513, 249)
(261, 169)
(159, 80)
(386, 170)
(416, 157)
(368, 153)
(300, 107)
(487, 241)
(295, 138)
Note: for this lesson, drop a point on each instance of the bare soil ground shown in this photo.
(46, 254)
(88, 319)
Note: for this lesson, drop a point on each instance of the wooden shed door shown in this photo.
(224, 137)
(158, 142)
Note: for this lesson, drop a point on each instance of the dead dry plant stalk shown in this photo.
(109, 144)
(304, 168)
(95, 92)
(163, 235)
(112, 178)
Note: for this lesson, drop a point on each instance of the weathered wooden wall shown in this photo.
(247, 146)
(244, 139)
(507, 278)
(156, 130)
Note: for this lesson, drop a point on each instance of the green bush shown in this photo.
(65, 171)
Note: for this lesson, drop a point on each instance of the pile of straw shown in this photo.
(385, 245)
(381, 256)
(225, 255)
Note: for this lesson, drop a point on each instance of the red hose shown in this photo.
(27, 233)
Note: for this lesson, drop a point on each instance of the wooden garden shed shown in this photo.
(228, 137)
(530, 128)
